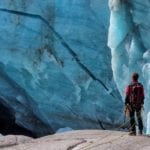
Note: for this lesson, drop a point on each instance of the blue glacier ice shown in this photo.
(55, 65)
(148, 124)
(129, 35)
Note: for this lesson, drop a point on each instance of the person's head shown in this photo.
(135, 76)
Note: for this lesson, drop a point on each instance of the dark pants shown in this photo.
(139, 119)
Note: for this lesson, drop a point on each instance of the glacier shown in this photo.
(129, 34)
(55, 65)
(56, 70)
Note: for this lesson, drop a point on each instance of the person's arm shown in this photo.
(127, 97)
(143, 95)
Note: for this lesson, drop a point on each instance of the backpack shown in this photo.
(136, 94)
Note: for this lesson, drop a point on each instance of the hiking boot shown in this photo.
(140, 133)
(132, 133)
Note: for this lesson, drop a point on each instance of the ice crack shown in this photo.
(63, 42)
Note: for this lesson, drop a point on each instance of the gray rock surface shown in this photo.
(87, 140)
(11, 140)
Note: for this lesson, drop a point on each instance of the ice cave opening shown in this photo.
(8, 125)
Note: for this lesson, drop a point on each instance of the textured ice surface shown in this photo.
(55, 66)
(129, 35)
(148, 124)
(66, 129)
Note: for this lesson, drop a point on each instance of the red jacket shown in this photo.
(128, 93)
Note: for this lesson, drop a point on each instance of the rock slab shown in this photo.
(87, 140)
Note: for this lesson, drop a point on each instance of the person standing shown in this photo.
(134, 101)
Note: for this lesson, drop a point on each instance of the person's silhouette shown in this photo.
(134, 100)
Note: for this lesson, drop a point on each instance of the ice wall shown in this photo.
(129, 35)
(55, 68)
(148, 124)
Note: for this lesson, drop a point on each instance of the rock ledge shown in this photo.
(83, 140)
